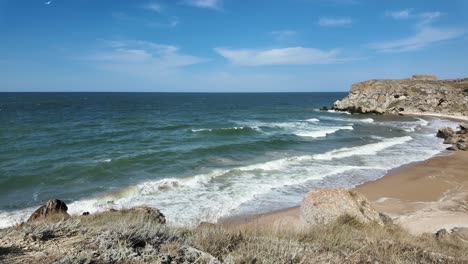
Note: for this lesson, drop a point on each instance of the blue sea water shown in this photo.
(195, 156)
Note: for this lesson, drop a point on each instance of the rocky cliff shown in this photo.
(420, 94)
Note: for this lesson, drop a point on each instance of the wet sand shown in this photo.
(422, 197)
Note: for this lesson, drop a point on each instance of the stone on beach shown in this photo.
(445, 133)
(323, 206)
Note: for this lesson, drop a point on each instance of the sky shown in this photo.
(227, 45)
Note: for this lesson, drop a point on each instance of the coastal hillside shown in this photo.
(141, 235)
(420, 94)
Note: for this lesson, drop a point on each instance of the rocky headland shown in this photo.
(418, 95)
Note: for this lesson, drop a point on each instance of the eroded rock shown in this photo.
(148, 213)
(323, 206)
(418, 94)
(53, 209)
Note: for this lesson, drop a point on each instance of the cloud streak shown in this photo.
(208, 4)
(142, 57)
(399, 15)
(283, 35)
(334, 22)
(156, 7)
(281, 56)
(422, 38)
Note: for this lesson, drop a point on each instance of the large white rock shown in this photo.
(322, 206)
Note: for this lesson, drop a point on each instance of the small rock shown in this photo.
(445, 132)
(452, 148)
(462, 146)
(387, 220)
(85, 213)
(463, 128)
(324, 108)
(441, 234)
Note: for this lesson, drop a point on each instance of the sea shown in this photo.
(195, 156)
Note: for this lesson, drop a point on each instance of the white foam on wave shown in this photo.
(323, 132)
(219, 192)
(213, 195)
(341, 119)
(314, 120)
(225, 128)
(369, 149)
(334, 111)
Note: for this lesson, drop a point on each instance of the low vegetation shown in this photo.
(115, 237)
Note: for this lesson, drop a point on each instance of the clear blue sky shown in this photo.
(226, 45)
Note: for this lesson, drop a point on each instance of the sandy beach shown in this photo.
(422, 197)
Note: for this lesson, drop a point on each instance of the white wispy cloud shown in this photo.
(424, 18)
(156, 7)
(283, 35)
(399, 15)
(428, 17)
(280, 56)
(425, 33)
(141, 56)
(171, 23)
(424, 37)
(334, 22)
(209, 4)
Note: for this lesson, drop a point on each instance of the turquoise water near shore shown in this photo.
(197, 157)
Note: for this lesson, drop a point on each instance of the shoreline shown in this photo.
(422, 196)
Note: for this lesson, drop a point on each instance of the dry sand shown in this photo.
(422, 197)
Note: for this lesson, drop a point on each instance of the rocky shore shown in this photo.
(420, 94)
(334, 226)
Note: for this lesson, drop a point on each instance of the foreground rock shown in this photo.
(458, 139)
(145, 214)
(420, 94)
(323, 206)
(53, 209)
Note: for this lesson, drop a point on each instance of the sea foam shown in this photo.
(369, 149)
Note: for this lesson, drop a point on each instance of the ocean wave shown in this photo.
(323, 132)
(341, 119)
(313, 120)
(369, 149)
(334, 111)
(228, 130)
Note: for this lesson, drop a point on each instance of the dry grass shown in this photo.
(123, 238)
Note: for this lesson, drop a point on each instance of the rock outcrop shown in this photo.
(53, 209)
(144, 213)
(458, 139)
(323, 206)
(415, 95)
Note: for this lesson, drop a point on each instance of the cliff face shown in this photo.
(418, 94)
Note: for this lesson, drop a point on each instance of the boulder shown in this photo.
(462, 146)
(147, 213)
(450, 140)
(452, 148)
(445, 133)
(52, 209)
(322, 206)
(463, 128)
(324, 108)
(441, 234)
(386, 220)
(460, 232)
